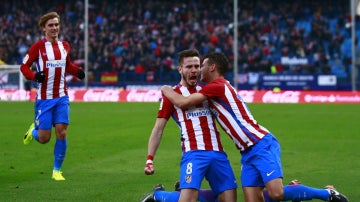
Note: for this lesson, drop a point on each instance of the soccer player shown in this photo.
(52, 58)
(203, 154)
(260, 150)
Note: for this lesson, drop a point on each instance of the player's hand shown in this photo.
(149, 169)
(39, 76)
(80, 74)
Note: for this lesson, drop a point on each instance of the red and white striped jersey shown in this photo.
(54, 60)
(233, 114)
(197, 126)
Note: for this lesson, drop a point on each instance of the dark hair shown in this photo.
(43, 19)
(187, 53)
(220, 61)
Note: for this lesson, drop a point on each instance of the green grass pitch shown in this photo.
(108, 146)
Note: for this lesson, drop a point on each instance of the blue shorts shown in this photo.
(50, 112)
(213, 165)
(261, 163)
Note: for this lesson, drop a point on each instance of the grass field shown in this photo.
(108, 147)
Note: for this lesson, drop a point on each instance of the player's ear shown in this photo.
(179, 68)
(212, 67)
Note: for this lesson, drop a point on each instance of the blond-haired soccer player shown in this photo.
(52, 59)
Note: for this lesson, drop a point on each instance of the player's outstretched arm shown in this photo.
(154, 142)
(180, 100)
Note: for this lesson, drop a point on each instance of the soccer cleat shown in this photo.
(57, 175)
(335, 196)
(149, 197)
(294, 182)
(177, 186)
(28, 135)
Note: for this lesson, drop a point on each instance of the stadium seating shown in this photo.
(125, 34)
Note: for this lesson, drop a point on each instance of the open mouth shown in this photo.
(193, 78)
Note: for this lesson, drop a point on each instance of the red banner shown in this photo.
(120, 95)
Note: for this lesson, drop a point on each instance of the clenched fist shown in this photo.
(149, 169)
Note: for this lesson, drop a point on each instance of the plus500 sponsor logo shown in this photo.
(55, 63)
(197, 113)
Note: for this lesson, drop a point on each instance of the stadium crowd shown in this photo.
(139, 39)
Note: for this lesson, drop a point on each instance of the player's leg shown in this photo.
(43, 118)
(253, 194)
(261, 166)
(252, 184)
(40, 130)
(61, 121)
(268, 199)
(221, 177)
(158, 194)
(188, 195)
(193, 167)
(59, 150)
(273, 179)
(205, 195)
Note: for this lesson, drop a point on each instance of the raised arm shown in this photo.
(181, 101)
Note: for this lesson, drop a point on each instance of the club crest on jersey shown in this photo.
(55, 63)
(188, 178)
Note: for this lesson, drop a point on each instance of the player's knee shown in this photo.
(44, 136)
(44, 139)
(60, 130)
(61, 134)
(276, 195)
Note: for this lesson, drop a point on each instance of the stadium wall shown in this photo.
(154, 95)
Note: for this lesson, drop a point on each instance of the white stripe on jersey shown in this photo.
(51, 71)
(51, 76)
(236, 120)
(62, 78)
(196, 124)
(237, 112)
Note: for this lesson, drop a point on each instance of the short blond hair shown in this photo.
(43, 19)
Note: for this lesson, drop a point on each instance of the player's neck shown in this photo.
(183, 83)
(214, 77)
(52, 39)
